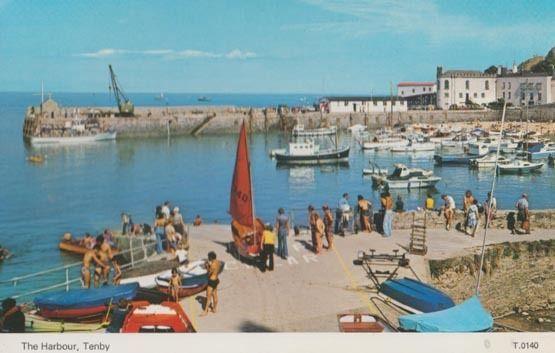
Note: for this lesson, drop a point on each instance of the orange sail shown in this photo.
(240, 202)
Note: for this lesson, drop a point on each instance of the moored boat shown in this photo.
(308, 152)
(415, 147)
(75, 247)
(454, 159)
(519, 167)
(488, 161)
(384, 143)
(406, 178)
(165, 317)
(78, 139)
(300, 131)
(542, 151)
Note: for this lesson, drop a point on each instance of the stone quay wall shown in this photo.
(517, 277)
(539, 219)
(155, 121)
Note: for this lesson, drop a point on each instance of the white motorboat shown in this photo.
(406, 178)
(519, 167)
(459, 141)
(384, 143)
(357, 129)
(74, 139)
(300, 131)
(542, 151)
(489, 161)
(478, 148)
(415, 147)
(309, 152)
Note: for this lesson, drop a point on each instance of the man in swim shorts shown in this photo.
(213, 267)
(90, 256)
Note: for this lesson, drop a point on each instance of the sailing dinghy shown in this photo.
(245, 227)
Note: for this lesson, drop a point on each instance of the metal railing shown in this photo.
(14, 281)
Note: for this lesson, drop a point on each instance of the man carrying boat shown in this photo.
(213, 267)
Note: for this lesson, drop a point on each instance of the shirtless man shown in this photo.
(89, 256)
(105, 256)
(213, 266)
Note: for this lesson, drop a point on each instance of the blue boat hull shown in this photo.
(86, 298)
(416, 295)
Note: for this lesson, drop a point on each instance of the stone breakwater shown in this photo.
(539, 219)
(517, 277)
(157, 121)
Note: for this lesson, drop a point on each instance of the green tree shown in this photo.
(491, 70)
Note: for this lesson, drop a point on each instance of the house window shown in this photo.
(531, 96)
(423, 89)
(467, 84)
(402, 92)
(503, 95)
(539, 96)
(508, 93)
(393, 102)
(446, 93)
(475, 95)
(375, 102)
(508, 84)
(346, 103)
(503, 85)
(429, 89)
(446, 85)
(523, 97)
(483, 95)
(487, 85)
(460, 95)
(538, 86)
(413, 90)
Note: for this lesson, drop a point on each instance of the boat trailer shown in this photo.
(373, 265)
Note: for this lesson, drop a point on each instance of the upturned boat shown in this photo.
(165, 317)
(245, 227)
(82, 304)
(406, 178)
(415, 296)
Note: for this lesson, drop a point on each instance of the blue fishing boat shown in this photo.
(416, 296)
(86, 297)
(469, 316)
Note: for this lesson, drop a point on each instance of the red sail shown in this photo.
(240, 202)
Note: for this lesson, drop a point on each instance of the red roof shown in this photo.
(406, 84)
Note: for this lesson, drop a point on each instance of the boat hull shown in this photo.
(106, 136)
(407, 184)
(505, 169)
(322, 158)
(417, 295)
(246, 245)
(451, 160)
(166, 317)
(77, 249)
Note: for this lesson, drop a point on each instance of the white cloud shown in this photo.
(235, 54)
(239, 54)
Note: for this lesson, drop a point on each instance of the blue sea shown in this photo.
(85, 188)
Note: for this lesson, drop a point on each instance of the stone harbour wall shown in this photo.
(517, 277)
(154, 121)
(539, 219)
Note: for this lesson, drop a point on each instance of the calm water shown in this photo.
(85, 188)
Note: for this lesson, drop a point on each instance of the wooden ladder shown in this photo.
(418, 235)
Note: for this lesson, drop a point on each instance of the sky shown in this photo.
(266, 46)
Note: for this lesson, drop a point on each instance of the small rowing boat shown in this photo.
(36, 323)
(75, 247)
(159, 318)
(194, 279)
(362, 323)
(415, 296)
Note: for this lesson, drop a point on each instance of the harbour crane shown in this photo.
(125, 106)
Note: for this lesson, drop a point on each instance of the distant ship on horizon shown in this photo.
(204, 99)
